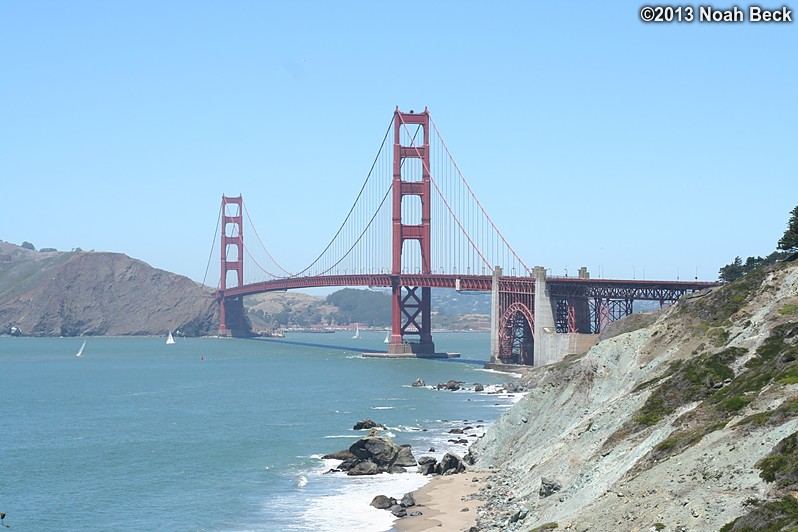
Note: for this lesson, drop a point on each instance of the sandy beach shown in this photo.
(441, 506)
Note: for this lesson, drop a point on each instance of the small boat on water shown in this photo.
(357, 331)
(80, 351)
(387, 337)
(170, 340)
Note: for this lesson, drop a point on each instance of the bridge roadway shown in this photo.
(556, 286)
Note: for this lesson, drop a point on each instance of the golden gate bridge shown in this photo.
(416, 225)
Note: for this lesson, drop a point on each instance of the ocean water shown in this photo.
(218, 434)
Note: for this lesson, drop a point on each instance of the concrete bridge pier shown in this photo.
(525, 326)
(544, 316)
(494, 314)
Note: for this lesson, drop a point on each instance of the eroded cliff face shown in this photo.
(666, 427)
(89, 293)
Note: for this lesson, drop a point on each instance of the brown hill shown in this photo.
(95, 293)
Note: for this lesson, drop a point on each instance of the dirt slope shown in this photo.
(88, 293)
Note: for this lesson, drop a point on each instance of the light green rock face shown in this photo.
(583, 424)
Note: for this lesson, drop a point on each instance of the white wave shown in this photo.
(383, 407)
(302, 481)
(334, 436)
(406, 428)
(508, 373)
(347, 506)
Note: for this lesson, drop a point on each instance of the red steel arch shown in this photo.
(516, 334)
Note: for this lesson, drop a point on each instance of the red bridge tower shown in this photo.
(411, 304)
(232, 321)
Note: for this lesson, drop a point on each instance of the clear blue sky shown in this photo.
(591, 138)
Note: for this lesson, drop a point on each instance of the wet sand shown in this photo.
(441, 506)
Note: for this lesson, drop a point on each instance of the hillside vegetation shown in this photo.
(686, 423)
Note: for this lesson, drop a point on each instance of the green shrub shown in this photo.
(789, 310)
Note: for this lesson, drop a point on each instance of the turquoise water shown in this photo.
(216, 434)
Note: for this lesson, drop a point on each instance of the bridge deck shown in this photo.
(557, 286)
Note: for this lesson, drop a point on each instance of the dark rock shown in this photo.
(450, 463)
(478, 387)
(427, 469)
(365, 424)
(378, 449)
(414, 514)
(418, 383)
(456, 431)
(346, 465)
(548, 486)
(450, 385)
(366, 467)
(405, 457)
(340, 455)
(398, 511)
(397, 469)
(383, 502)
(427, 465)
(408, 500)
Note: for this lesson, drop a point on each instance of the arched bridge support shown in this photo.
(513, 321)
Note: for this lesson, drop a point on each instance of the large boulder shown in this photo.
(427, 465)
(380, 450)
(383, 502)
(450, 464)
(548, 486)
(366, 467)
(408, 500)
(377, 454)
(404, 457)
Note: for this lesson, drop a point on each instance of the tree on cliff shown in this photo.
(789, 242)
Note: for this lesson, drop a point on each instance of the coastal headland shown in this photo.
(684, 421)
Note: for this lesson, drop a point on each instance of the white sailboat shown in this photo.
(169, 339)
(80, 351)
(357, 331)
(387, 337)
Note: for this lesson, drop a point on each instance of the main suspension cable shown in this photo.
(343, 224)
(213, 244)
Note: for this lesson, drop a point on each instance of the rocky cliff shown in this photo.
(686, 423)
(89, 293)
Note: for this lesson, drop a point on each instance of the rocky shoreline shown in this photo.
(377, 453)
(687, 420)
